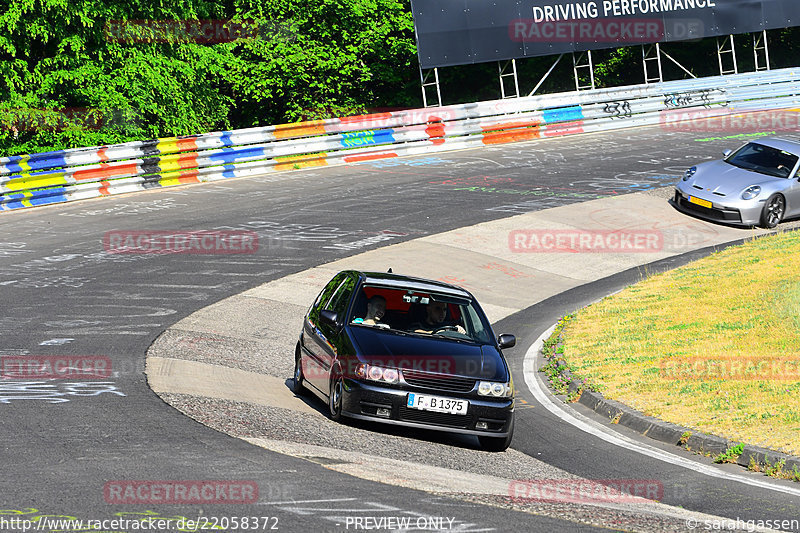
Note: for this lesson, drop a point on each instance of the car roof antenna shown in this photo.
(389, 271)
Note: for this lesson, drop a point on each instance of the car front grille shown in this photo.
(444, 382)
(439, 419)
(724, 215)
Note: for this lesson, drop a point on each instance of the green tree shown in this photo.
(324, 58)
(87, 73)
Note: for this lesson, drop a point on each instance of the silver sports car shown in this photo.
(758, 184)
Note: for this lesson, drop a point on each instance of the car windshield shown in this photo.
(419, 313)
(763, 159)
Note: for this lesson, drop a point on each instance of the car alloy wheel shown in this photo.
(773, 211)
(297, 387)
(335, 397)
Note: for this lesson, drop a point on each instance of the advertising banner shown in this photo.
(457, 32)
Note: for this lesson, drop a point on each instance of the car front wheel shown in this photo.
(498, 444)
(335, 397)
(773, 211)
(297, 386)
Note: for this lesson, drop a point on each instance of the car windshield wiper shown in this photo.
(467, 338)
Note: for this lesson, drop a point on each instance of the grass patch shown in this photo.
(730, 455)
(714, 345)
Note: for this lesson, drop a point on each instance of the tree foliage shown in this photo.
(72, 78)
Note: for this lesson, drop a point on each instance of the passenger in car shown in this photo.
(376, 308)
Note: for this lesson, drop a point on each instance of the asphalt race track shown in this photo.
(66, 442)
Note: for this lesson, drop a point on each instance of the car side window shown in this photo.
(475, 325)
(324, 297)
(340, 299)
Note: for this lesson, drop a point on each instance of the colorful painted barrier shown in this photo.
(81, 173)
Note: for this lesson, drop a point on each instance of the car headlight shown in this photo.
(689, 173)
(751, 192)
(377, 373)
(498, 390)
(390, 375)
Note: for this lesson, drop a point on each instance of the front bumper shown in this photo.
(739, 212)
(362, 401)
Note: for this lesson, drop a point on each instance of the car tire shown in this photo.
(498, 444)
(335, 397)
(297, 387)
(773, 211)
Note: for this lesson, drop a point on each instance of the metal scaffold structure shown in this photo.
(583, 68)
(507, 32)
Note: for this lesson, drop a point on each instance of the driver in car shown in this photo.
(435, 314)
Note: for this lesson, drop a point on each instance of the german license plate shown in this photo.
(700, 201)
(437, 404)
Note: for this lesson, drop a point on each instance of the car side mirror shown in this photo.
(329, 317)
(726, 153)
(506, 340)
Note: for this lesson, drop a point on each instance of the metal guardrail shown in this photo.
(75, 174)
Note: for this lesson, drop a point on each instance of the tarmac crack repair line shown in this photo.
(535, 385)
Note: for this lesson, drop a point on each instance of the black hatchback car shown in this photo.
(407, 351)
